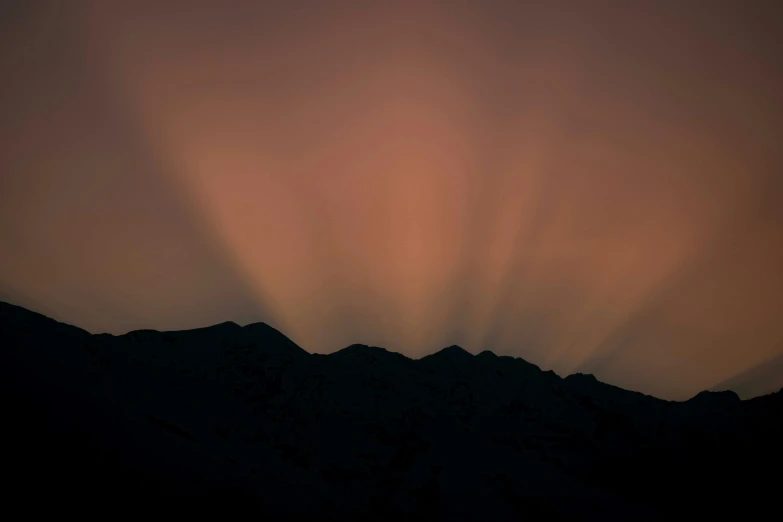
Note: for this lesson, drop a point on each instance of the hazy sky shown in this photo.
(594, 186)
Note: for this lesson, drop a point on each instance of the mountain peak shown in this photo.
(582, 376)
(358, 348)
(259, 326)
(364, 351)
(455, 351)
(217, 329)
(227, 324)
(451, 353)
(265, 330)
(487, 354)
(727, 397)
(268, 334)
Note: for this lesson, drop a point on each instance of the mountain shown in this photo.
(231, 420)
(761, 379)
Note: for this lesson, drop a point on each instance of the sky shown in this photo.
(595, 186)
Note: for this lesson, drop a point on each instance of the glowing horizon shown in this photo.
(592, 189)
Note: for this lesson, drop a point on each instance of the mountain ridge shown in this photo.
(451, 352)
(229, 418)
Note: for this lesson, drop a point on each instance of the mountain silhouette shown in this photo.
(235, 421)
(761, 379)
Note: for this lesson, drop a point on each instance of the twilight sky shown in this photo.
(595, 186)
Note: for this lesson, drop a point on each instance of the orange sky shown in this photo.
(591, 185)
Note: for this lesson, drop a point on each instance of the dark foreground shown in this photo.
(239, 421)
